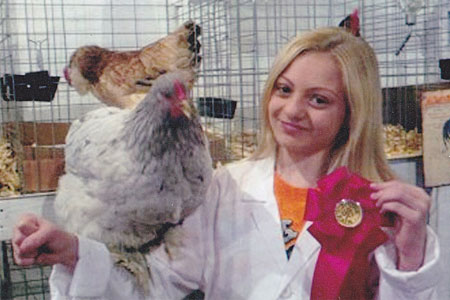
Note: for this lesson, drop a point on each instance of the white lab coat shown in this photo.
(232, 248)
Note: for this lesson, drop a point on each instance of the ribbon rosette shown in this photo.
(343, 267)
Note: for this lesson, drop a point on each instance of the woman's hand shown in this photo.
(410, 205)
(38, 241)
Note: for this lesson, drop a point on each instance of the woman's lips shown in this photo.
(292, 128)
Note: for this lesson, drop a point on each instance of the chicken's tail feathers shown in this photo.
(190, 31)
(180, 49)
(193, 31)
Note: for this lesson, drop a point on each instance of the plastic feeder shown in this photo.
(216, 107)
(33, 86)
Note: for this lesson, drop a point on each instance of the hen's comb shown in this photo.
(355, 17)
(179, 90)
(354, 23)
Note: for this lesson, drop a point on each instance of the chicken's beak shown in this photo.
(187, 109)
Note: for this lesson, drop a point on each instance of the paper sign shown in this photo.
(436, 137)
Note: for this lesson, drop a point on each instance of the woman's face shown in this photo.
(307, 107)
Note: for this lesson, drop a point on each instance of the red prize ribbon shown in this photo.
(347, 224)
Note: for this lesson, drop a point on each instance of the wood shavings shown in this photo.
(225, 149)
(242, 145)
(398, 143)
(9, 175)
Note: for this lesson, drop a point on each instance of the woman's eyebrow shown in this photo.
(284, 78)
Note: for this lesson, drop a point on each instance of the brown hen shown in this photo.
(123, 78)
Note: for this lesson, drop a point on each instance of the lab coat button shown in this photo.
(287, 293)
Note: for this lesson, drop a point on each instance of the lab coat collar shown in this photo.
(259, 180)
(259, 190)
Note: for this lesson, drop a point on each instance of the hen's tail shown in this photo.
(178, 50)
(193, 32)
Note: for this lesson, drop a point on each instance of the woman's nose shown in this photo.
(296, 108)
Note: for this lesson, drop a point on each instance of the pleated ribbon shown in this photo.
(343, 267)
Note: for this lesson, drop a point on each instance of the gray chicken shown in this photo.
(133, 174)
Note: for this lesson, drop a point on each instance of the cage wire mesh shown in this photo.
(240, 39)
(22, 283)
(409, 44)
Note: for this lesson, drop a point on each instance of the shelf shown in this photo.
(404, 156)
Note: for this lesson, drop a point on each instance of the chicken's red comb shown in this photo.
(179, 90)
(354, 23)
(355, 17)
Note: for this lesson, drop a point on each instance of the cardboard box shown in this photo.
(41, 149)
(42, 167)
(29, 133)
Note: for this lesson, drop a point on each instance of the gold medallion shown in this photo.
(348, 213)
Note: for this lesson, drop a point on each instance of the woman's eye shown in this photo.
(283, 89)
(286, 89)
(319, 100)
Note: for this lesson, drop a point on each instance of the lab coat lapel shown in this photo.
(299, 270)
(305, 249)
(264, 209)
(270, 233)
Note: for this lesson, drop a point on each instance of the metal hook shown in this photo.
(404, 43)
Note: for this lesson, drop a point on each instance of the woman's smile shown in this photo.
(292, 128)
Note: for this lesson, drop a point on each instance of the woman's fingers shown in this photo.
(405, 212)
(393, 191)
(23, 254)
(30, 236)
(27, 225)
(410, 205)
(48, 259)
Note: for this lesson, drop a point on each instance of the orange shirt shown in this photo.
(291, 205)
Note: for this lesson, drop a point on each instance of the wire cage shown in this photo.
(22, 282)
(240, 39)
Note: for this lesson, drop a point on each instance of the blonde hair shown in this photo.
(359, 145)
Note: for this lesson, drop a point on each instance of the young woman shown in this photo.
(321, 110)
